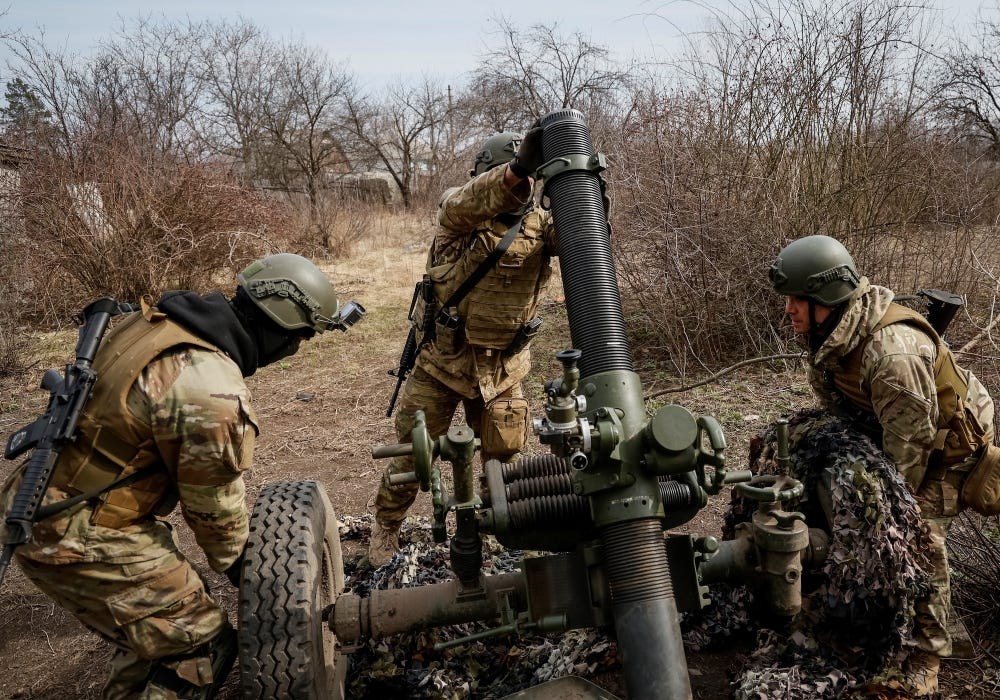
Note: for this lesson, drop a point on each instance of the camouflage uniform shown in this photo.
(475, 369)
(110, 561)
(894, 391)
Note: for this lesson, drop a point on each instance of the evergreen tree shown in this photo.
(25, 120)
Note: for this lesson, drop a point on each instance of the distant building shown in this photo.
(11, 160)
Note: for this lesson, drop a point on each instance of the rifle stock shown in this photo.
(48, 434)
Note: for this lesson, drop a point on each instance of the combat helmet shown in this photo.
(292, 291)
(817, 268)
(497, 150)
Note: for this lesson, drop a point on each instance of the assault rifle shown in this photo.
(940, 307)
(46, 436)
(421, 315)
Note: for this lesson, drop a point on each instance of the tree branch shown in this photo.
(721, 373)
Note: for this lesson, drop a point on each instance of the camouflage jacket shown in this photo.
(897, 376)
(467, 217)
(195, 409)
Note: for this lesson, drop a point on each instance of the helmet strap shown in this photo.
(819, 332)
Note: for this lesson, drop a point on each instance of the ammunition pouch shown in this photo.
(981, 488)
(449, 332)
(524, 336)
(108, 461)
(504, 429)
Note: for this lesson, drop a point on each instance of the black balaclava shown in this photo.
(272, 341)
(212, 317)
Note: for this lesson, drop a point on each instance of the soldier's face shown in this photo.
(797, 309)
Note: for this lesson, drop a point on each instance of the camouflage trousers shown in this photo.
(501, 425)
(938, 501)
(150, 609)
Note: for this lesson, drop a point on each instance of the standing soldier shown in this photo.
(884, 368)
(171, 406)
(478, 351)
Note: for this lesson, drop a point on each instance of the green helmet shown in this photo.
(497, 150)
(292, 291)
(817, 268)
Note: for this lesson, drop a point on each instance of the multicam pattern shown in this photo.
(131, 584)
(470, 374)
(423, 392)
(205, 431)
(897, 373)
(466, 217)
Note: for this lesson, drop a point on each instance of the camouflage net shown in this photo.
(849, 641)
(856, 625)
(407, 665)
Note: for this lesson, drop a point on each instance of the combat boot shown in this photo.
(384, 543)
(921, 673)
(196, 675)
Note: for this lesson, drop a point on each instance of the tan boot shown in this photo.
(384, 543)
(921, 671)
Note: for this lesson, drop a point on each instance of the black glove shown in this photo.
(528, 158)
(235, 571)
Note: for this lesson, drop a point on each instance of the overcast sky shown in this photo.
(383, 39)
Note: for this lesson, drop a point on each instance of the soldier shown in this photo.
(169, 400)
(883, 366)
(479, 356)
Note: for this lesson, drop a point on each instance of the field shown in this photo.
(321, 413)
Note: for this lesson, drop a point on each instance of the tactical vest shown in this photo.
(507, 296)
(111, 441)
(959, 432)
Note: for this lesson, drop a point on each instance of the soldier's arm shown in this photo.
(205, 431)
(482, 198)
(899, 368)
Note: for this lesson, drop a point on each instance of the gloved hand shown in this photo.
(235, 571)
(528, 158)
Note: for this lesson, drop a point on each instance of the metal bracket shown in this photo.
(578, 161)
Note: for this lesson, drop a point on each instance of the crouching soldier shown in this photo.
(884, 368)
(169, 406)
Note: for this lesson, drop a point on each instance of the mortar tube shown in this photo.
(586, 263)
(645, 612)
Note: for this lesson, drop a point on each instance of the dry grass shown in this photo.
(321, 413)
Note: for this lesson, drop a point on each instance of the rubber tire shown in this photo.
(293, 569)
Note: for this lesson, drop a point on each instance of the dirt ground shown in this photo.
(321, 412)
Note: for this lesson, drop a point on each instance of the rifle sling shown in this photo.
(59, 506)
(483, 268)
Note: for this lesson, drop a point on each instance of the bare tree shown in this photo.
(140, 85)
(970, 87)
(531, 73)
(302, 114)
(790, 118)
(404, 132)
(123, 199)
(51, 75)
(151, 64)
(237, 62)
